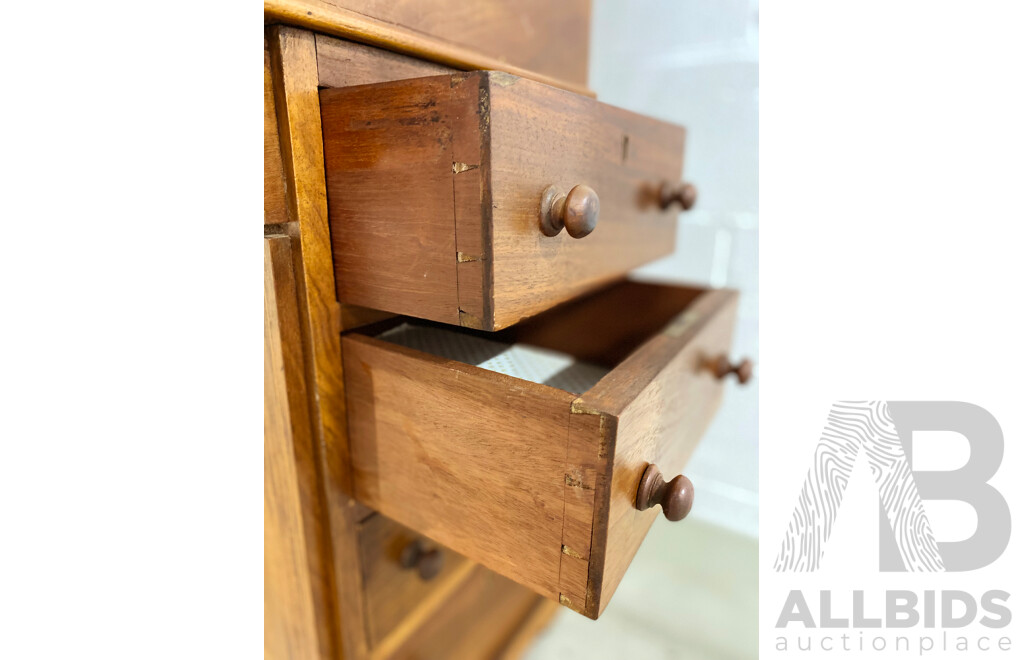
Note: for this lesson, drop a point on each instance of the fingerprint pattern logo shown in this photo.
(853, 426)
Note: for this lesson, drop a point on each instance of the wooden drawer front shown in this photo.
(536, 482)
(434, 190)
(392, 590)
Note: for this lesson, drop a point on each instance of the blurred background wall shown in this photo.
(691, 592)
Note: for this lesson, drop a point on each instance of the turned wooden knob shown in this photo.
(577, 211)
(428, 563)
(675, 497)
(744, 370)
(685, 194)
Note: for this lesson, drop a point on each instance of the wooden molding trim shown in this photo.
(328, 19)
(295, 80)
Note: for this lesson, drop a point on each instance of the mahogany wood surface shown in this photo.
(343, 63)
(529, 480)
(544, 41)
(435, 187)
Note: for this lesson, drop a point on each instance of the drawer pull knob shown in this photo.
(428, 563)
(675, 497)
(685, 194)
(744, 370)
(577, 211)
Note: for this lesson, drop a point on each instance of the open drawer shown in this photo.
(447, 195)
(536, 475)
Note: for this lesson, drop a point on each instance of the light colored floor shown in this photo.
(691, 592)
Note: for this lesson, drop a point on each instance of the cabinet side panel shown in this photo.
(289, 616)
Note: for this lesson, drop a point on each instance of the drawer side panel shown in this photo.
(472, 459)
(543, 136)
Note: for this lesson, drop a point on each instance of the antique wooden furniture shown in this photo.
(425, 159)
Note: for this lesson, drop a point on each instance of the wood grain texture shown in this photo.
(662, 398)
(425, 612)
(289, 614)
(435, 184)
(471, 199)
(565, 51)
(392, 251)
(434, 448)
(344, 63)
(551, 38)
(532, 481)
(541, 136)
(274, 211)
(480, 622)
(392, 591)
(295, 82)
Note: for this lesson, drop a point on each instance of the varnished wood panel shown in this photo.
(539, 35)
(274, 211)
(392, 591)
(434, 188)
(529, 480)
(467, 457)
(289, 617)
(662, 399)
(483, 39)
(541, 136)
(343, 63)
(391, 251)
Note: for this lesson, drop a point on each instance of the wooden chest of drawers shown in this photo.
(421, 506)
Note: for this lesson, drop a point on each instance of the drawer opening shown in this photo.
(523, 449)
(570, 347)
